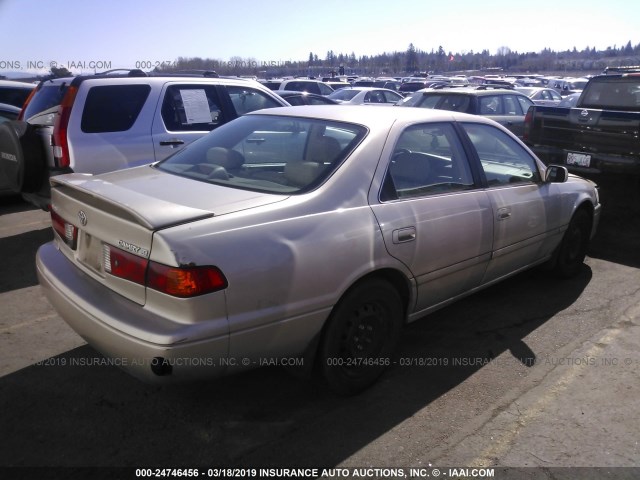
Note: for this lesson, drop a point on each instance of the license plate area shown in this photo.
(578, 159)
(90, 252)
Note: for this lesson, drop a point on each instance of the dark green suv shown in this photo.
(504, 105)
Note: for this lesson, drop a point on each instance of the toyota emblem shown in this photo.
(584, 113)
(82, 217)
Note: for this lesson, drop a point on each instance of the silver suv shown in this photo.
(105, 122)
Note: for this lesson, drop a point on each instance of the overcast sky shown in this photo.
(122, 34)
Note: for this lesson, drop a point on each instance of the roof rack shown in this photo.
(627, 69)
(131, 72)
(200, 73)
(492, 86)
(440, 86)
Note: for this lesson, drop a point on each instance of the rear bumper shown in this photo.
(600, 162)
(92, 310)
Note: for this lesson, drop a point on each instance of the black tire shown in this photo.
(21, 157)
(573, 248)
(360, 337)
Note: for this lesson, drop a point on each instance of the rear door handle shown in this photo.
(403, 235)
(173, 142)
(504, 213)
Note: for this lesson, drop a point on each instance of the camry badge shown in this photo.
(82, 217)
(143, 252)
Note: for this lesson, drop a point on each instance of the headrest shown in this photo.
(225, 157)
(302, 174)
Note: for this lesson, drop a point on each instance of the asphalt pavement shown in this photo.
(549, 387)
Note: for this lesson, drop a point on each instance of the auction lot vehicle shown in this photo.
(306, 85)
(309, 233)
(366, 96)
(497, 102)
(15, 93)
(109, 121)
(600, 134)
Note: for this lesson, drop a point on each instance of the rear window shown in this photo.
(344, 94)
(612, 93)
(303, 87)
(49, 95)
(113, 108)
(267, 153)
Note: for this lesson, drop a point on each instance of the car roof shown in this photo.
(150, 78)
(470, 91)
(367, 89)
(308, 80)
(373, 117)
(6, 107)
(296, 93)
(16, 84)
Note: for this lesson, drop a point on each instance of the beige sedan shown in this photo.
(304, 236)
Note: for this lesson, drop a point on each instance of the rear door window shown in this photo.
(490, 105)
(188, 108)
(113, 108)
(511, 105)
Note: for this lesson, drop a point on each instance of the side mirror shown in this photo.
(556, 174)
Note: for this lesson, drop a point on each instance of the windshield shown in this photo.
(267, 153)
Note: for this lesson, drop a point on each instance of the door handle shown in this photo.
(504, 213)
(403, 235)
(173, 142)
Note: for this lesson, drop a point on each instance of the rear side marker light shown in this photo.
(67, 231)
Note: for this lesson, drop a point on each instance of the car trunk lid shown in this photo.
(123, 210)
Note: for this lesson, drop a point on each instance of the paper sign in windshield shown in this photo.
(196, 106)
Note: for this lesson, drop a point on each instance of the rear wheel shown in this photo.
(360, 337)
(573, 248)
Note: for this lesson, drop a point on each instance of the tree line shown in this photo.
(413, 61)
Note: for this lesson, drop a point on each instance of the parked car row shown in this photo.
(99, 109)
(506, 106)
(115, 120)
(14, 93)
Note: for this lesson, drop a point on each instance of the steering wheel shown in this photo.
(401, 151)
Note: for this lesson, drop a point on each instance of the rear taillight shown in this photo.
(185, 281)
(67, 231)
(26, 102)
(60, 143)
(528, 118)
(124, 265)
(181, 282)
